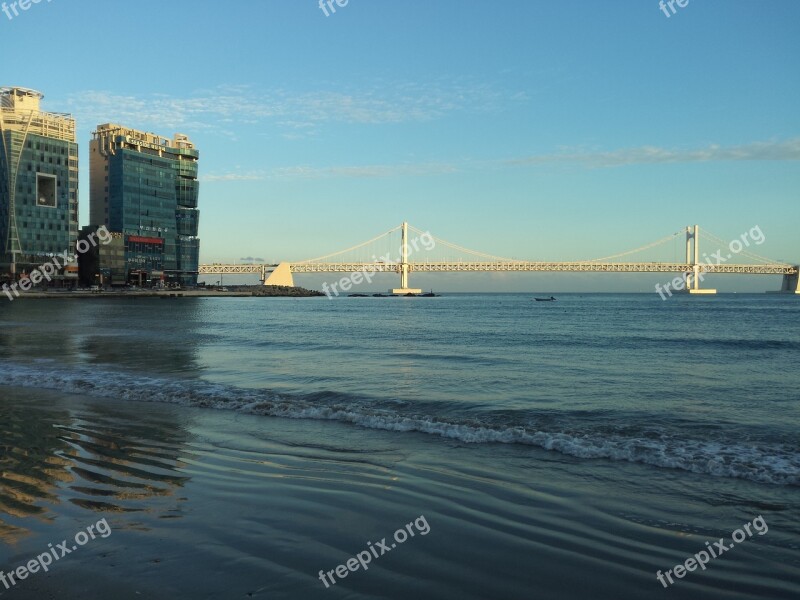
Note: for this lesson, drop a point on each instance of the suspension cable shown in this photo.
(648, 246)
(356, 247)
(742, 252)
(513, 260)
(462, 249)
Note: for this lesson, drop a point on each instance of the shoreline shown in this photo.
(256, 291)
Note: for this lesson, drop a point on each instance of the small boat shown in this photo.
(358, 295)
(428, 295)
(550, 299)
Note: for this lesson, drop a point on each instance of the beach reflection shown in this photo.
(157, 337)
(96, 457)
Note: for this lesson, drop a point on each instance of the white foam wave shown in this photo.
(762, 463)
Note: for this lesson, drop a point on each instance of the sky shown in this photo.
(541, 130)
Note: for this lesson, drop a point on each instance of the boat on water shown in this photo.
(428, 295)
(550, 299)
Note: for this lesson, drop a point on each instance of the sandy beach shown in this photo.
(208, 504)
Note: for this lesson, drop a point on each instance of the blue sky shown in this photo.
(544, 130)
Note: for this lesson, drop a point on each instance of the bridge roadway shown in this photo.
(489, 266)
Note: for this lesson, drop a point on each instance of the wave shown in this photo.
(634, 342)
(761, 462)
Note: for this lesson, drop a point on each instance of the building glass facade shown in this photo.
(145, 187)
(38, 183)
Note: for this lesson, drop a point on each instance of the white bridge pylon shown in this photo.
(691, 271)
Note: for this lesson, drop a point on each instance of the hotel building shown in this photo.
(38, 182)
(145, 187)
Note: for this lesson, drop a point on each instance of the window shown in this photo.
(45, 190)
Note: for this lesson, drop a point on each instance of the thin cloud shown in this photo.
(787, 150)
(225, 107)
(754, 151)
(236, 176)
(365, 171)
(354, 171)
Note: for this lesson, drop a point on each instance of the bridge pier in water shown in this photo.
(791, 283)
(694, 276)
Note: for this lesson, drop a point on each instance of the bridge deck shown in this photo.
(519, 266)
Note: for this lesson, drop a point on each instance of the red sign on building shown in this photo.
(145, 240)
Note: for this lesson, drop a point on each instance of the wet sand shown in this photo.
(209, 504)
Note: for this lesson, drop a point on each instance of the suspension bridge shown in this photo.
(690, 272)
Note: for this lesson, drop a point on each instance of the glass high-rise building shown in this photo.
(145, 186)
(38, 182)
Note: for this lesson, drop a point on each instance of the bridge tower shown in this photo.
(405, 268)
(694, 276)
